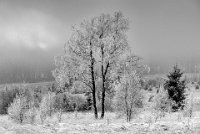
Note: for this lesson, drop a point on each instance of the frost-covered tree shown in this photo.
(128, 95)
(111, 44)
(91, 53)
(161, 104)
(78, 61)
(18, 108)
(47, 106)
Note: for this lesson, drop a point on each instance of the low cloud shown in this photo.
(29, 39)
(29, 28)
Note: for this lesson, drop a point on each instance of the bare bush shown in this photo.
(189, 106)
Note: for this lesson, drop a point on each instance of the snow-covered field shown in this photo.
(84, 123)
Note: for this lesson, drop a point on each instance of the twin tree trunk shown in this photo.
(103, 73)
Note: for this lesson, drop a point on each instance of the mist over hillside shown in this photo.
(27, 65)
(39, 69)
(36, 65)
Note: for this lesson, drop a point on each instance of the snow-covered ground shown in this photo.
(84, 123)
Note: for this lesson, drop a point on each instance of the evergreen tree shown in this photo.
(176, 88)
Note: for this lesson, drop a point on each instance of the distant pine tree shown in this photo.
(176, 88)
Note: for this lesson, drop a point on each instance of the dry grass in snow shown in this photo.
(84, 123)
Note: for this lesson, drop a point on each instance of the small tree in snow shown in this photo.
(18, 108)
(128, 96)
(46, 106)
(161, 104)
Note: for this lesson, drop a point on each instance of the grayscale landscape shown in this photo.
(99, 67)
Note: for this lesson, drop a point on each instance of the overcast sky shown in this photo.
(163, 31)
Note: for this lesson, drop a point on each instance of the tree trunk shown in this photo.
(126, 104)
(130, 114)
(103, 88)
(60, 115)
(50, 112)
(94, 105)
(103, 97)
(103, 84)
(93, 82)
(94, 93)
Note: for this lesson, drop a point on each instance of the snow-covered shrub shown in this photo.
(46, 106)
(7, 95)
(31, 113)
(161, 104)
(17, 109)
(189, 105)
(128, 101)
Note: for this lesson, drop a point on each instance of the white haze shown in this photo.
(32, 32)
